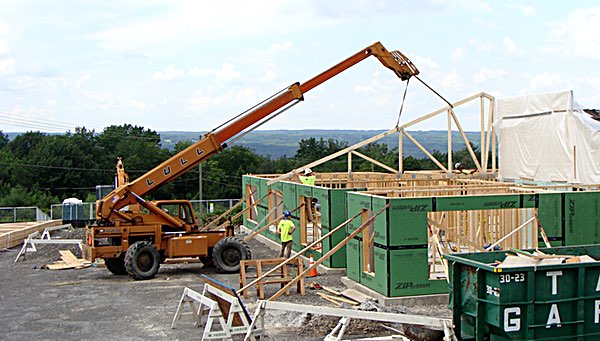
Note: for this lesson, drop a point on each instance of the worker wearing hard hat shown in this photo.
(460, 169)
(285, 229)
(310, 179)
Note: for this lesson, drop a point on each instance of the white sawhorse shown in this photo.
(206, 312)
(347, 314)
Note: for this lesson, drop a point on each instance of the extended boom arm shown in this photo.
(212, 143)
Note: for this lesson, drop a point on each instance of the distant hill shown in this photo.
(277, 143)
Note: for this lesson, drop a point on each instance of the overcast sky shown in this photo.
(189, 66)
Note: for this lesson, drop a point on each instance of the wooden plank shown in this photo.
(69, 258)
(22, 230)
(60, 265)
(344, 300)
(328, 289)
(356, 295)
(329, 298)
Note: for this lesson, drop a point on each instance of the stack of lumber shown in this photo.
(13, 234)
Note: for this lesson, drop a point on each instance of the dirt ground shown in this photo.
(93, 304)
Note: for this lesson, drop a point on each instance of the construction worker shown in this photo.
(285, 228)
(460, 169)
(310, 179)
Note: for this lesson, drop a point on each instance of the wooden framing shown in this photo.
(481, 162)
(280, 277)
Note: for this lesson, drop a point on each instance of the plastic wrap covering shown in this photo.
(546, 137)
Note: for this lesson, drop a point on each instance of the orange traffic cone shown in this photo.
(313, 272)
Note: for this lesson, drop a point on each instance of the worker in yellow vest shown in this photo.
(310, 179)
(285, 229)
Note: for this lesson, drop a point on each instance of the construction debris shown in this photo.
(69, 261)
(522, 258)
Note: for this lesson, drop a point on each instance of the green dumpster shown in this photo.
(533, 302)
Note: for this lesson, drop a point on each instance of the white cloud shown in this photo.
(451, 81)
(226, 73)
(168, 74)
(269, 76)
(3, 47)
(212, 21)
(577, 35)
(524, 9)
(459, 54)
(475, 5)
(485, 74)
(481, 46)
(363, 88)
(79, 81)
(545, 81)
(7, 66)
(510, 47)
(424, 63)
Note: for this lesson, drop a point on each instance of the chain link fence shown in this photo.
(22, 214)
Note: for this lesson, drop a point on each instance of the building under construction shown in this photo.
(390, 230)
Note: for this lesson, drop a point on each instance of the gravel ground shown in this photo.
(93, 304)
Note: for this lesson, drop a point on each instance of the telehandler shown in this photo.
(134, 235)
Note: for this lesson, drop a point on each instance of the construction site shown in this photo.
(502, 251)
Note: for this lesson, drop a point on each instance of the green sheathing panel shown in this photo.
(290, 201)
(337, 216)
(377, 281)
(407, 243)
(381, 223)
(408, 274)
(484, 202)
(357, 202)
(408, 222)
(550, 213)
(353, 257)
(582, 218)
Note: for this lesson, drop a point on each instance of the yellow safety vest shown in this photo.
(285, 226)
(308, 180)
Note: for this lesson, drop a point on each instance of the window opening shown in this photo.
(251, 198)
(310, 222)
(368, 243)
(476, 230)
(275, 199)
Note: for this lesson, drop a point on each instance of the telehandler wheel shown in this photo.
(142, 260)
(116, 265)
(228, 253)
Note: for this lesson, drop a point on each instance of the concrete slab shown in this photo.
(408, 301)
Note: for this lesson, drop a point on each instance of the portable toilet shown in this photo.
(72, 212)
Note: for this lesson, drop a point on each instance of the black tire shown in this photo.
(228, 253)
(142, 260)
(116, 265)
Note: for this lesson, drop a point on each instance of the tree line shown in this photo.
(40, 169)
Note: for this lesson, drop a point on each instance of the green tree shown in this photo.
(3, 140)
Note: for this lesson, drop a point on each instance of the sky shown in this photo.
(192, 65)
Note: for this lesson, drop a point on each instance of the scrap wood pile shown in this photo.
(520, 258)
(68, 261)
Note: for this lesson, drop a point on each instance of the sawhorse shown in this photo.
(223, 312)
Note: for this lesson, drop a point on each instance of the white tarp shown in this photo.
(547, 137)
